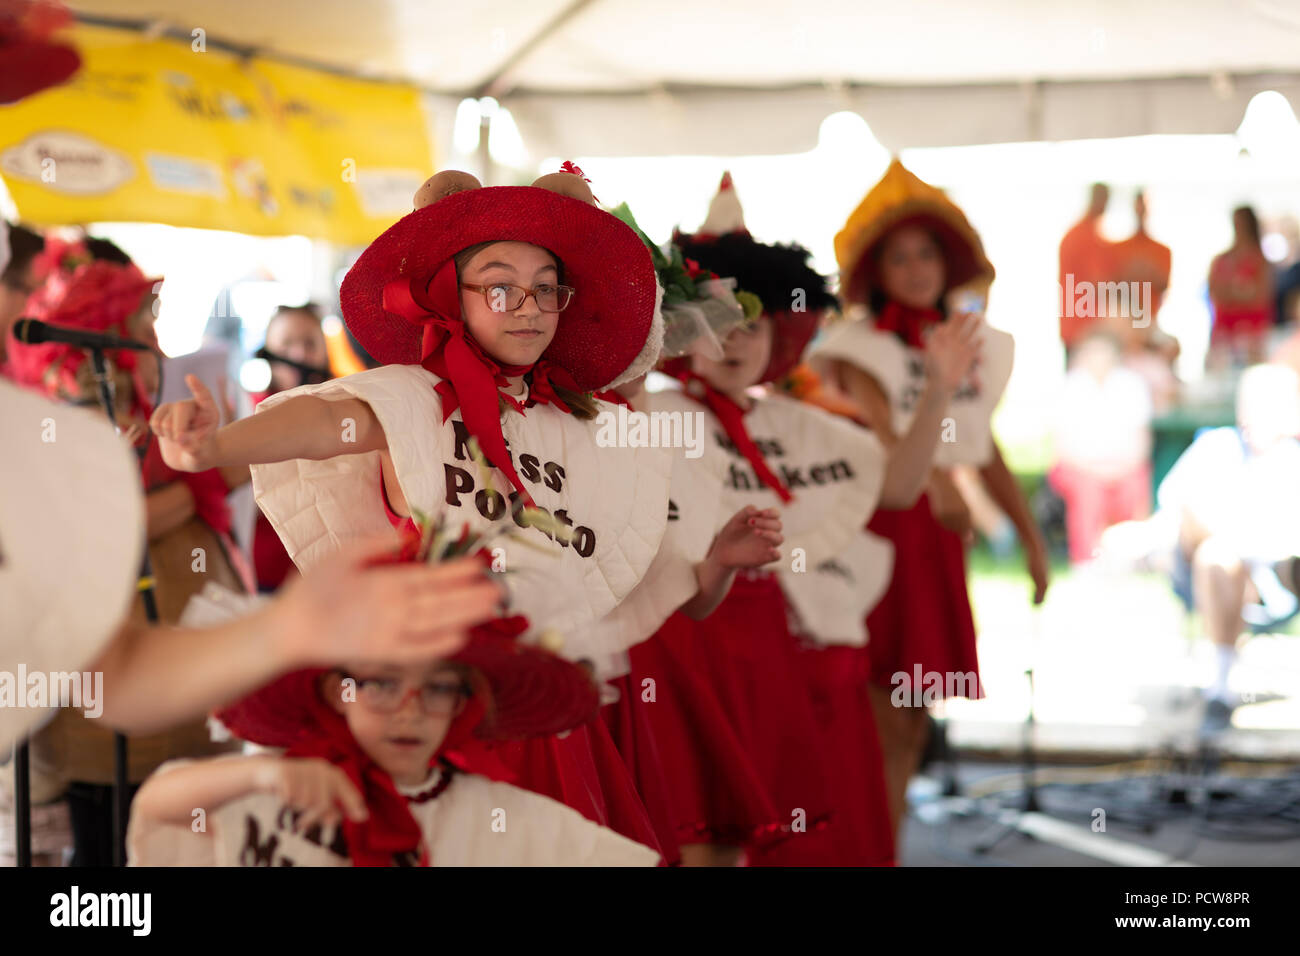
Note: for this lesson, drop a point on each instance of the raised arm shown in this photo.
(318, 788)
(174, 795)
(342, 610)
(301, 427)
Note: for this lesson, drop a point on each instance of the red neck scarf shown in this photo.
(391, 830)
(471, 379)
(908, 323)
(732, 417)
(613, 397)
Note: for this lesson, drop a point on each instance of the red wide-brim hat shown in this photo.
(609, 330)
(534, 694)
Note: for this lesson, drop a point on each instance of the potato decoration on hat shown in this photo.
(901, 198)
(792, 293)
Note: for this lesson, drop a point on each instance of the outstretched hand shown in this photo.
(347, 608)
(750, 539)
(187, 429)
(953, 349)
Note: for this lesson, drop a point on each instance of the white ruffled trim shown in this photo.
(654, 344)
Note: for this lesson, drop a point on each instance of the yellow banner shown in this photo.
(167, 131)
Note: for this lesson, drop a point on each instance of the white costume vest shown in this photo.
(695, 514)
(474, 822)
(967, 437)
(615, 499)
(835, 470)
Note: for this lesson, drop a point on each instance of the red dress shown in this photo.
(858, 835)
(633, 735)
(751, 659)
(583, 770)
(713, 792)
(923, 624)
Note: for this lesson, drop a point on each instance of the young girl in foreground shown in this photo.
(370, 777)
(497, 310)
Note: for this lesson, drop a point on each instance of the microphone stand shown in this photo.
(146, 589)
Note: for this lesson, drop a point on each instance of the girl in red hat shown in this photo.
(823, 478)
(497, 312)
(702, 550)
(903, 251)
(372, 772)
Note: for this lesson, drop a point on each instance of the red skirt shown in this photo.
(632, 733)
(859, 830)
(712, 790)
(583, 770)
(751, 659)
(923, 625)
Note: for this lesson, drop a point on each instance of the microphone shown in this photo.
(315, 373)
(36, 332)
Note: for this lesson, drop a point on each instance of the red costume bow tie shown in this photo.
(732, 417)
(471, 379)
(390, 830)
(908, 323)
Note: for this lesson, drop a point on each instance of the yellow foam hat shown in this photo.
(903, 198)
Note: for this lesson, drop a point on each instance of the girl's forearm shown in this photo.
(167, 508)
(302, 427)
(157, 677)
(236, 476)
(911, 459)
(714, 583)
(206, 785)
(1004, 490)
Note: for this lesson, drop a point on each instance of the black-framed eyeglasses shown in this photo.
(504, 297)
(444, 697)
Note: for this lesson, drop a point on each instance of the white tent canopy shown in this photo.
(733, 77)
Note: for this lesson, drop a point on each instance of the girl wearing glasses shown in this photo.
(497, 311)
(373, 772)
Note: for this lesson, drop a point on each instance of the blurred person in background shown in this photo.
(1084, 257)
(1103, 444)
(1140, 258)
(187, 522)
(1288, 299)
(1242, 296)
(1147, 349)
(18, 280)
(1227, 513)
(293, 333)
